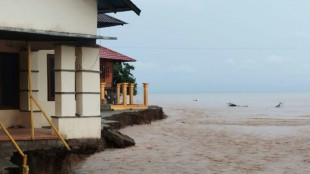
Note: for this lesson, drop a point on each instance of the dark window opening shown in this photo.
(102, 71)
(9, 81)
(51, 77)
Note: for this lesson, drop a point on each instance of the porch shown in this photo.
(124, 104)
(22, 134)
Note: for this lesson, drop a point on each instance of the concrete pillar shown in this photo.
(24, 88)
(80, 71)
(102, 92)
(124, 88)
(118, 91)
(145, 92)
(87, 82)
(131, 88)
(64, 90)
(65, 81)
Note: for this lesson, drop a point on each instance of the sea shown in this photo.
(294, 109)
(202, 134)
(292, 104)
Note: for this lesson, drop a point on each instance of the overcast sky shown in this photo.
(217, 45)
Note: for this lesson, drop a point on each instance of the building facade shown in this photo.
(57, 38)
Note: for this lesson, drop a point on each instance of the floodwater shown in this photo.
(206, 136)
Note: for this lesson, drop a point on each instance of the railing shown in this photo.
(125, 105)
(109, 96)
(25, 167)
(32, 99)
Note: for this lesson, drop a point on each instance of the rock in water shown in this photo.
(116, 139)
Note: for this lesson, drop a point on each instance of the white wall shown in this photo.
(15, 117)
(75, 127)
(74, 16)
(10, 117)
(85, 127)
(48, 106)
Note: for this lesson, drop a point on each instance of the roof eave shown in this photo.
(112, 9)
(133, 7)
(137, 11)
(118, 60)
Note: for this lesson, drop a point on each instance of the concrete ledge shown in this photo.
(130, 117)
(93, 116)
(29, 111)
(64, 70)
(128, 107)
(26, 71)
(27, 90)
(88, 93)
(48, 156)
(78, 128)
(64, 93)
(28, 146)
(88, 71)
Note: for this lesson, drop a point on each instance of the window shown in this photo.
(9, 81)
(50, 77)
(102, 70)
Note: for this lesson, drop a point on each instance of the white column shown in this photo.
(80, 119)
(24, 88)
(65, 81)
(88, 82)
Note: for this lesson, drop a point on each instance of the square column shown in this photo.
(23, 84)
(24, 89)
(77, 92)
(64, 118)
(88, 82)
(65, 81)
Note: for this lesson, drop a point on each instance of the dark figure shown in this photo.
(232, 105)
(279, 105)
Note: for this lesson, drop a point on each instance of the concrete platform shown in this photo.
(25, 134)
(113, 112)
(118, 119)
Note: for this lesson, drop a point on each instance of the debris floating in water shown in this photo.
(279, 105)
(234, 105)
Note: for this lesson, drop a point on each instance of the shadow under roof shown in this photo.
(104, 20)
(11, 33)
(108, 6)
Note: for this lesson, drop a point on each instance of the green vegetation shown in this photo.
(122, 74)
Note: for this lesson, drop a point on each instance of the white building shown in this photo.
(62, 36)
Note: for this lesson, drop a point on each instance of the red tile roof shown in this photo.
(106, 53)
